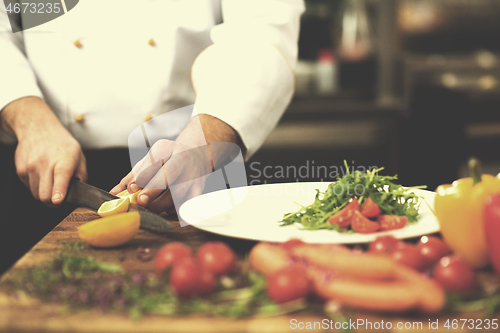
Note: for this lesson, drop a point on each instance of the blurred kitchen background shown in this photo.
(411, 85)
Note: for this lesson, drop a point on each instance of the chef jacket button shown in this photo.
(78, 44)
(148, 117)
(79, 118)
(151, 42)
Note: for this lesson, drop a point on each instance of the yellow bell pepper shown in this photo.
(459, 210)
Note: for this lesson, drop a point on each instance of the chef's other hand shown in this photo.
(170, 172)
(177, 170)
(47, 156)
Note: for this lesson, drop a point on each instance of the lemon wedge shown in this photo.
(114, 207)
(132, 196)
(111, 231)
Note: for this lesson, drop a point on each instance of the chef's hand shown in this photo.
(177, 170)
(47, 156)
(170, 171)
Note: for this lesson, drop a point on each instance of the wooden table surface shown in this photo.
(21, 313)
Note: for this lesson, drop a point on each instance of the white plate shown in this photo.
(254, 213)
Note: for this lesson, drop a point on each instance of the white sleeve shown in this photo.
(246, 77)
(16, 76)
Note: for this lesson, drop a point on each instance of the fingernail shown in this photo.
(134, 188)
(144, 199)
(56, 197)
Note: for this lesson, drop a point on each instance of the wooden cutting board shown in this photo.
(19, 312)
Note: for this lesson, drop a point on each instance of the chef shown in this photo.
(74, 88)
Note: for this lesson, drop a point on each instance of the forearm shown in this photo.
(27, 115)
(214, 131)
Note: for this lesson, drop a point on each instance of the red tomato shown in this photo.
(169, 254)
(288, 284)
(492, 229)
(353, 205)
(207, 282)
(454, 275)
(370, 209)
(391, 222)
(408, 255)
(343, 217)
(383, 244)
(216, 257)
(432, 249)
(188, 279)
(363, 225)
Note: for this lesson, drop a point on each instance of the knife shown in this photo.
(85, 195)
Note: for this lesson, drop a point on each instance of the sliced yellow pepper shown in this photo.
(459, 210)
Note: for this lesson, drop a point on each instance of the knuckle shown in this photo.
(162, 143)
(163, 147)
(42, 162)
(31, 166)
(21, 171)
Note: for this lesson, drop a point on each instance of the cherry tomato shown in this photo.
(408, 255)
(288, 284)
(432, 249)
(454, 275)
(383, 244)
(492, 229)
(370, 209)
(353, 205)
(207, 282)
(170, 253)
(391, 222)
(343, 217)
(189, 279)
(363, 225)
(216, 257)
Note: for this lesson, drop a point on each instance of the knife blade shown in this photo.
(88, 196)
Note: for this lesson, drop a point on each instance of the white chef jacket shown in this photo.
(135, 59)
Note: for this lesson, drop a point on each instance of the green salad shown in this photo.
(391, 198)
